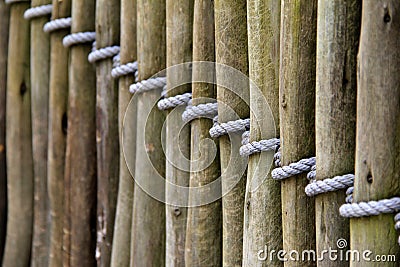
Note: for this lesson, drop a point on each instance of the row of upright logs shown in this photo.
(327, 69)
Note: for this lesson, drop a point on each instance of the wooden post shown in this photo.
(40, 66)
(336, 86)
(378, 124)
(262, 215)
(4, 21)
(231, 50)
(19, 142)
(179, 50)
(148, 218)
(107, 34)
(80, 170)
(204, 223)
(297, 102)
(121, 248)
(58, 96)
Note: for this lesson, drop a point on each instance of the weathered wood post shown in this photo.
(40, 66)
(148, 218)
(262, 215)
(107, 36)
(231, 50)
(58, 96)
(19, 141)
(378, 124)
(121, 248)
(4, 21)
(179, 50)
(79, 241)
(297, 102)
(204, 223)
(336, 87)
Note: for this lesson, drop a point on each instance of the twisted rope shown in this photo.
(371, 208)
(249, 148)
(79, 38)
(8, 2)
(174, 101)
(223, 128)
(103, 53)
(328, 185)
(202, 110)
(57, 24)
(349, 194)
(303, 165)
(124, 69)
(147, 85)
(38, 11)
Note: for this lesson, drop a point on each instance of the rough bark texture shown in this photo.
(19, 142)
(107, 34)
(337, 47)
(4, 21)
(80, 170)
(203, 246)
(262, 215)
(40, 66)
(231, 50)
(148, 218)
(378, 127)
(179, 49)
(58, 96)
(121, 249)
(297, 102)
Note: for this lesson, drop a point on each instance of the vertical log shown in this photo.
(40, 65)
(203, 232)
(148, 218)
(107, 34)
(4, 21)
(378, 127)
(121, 249)
(179, 49)
(337, 47)
(231, 50)
(262, 215)
(58, 96)
(80, 170)
(19, 142)
(297, 102)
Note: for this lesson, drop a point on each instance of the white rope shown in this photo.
(8, 2)
(57, 24)
(174, 101)
(258, 146)
(103, 53)
(349, 194)
(117, 60)
(38, 11)
(303, 165)
(371, 208)
(79, 38)
(191, 112)
(124, 69)
(224, 128)
(316, 187)
(147, 85)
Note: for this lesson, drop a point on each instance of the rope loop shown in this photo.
(208, 110)
(103, 53)
(79, 38)
(57, 24)
(38, 11)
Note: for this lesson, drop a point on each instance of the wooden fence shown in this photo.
(199, 133)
